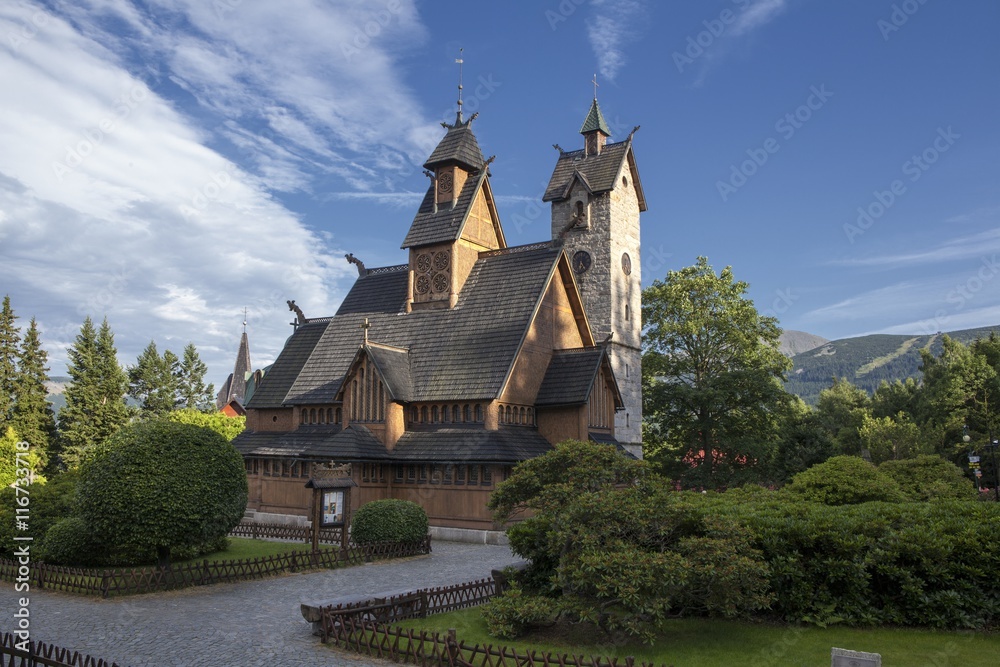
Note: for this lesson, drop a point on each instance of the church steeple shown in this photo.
(595, 130)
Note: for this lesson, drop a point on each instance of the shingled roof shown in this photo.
(599, 172)
(505, 445)
(570, 377)
(458, 146)
(466, 351)
(355, 443)
(286, 368)
(444, 222)
(595, 121)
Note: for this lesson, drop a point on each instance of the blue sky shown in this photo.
(168, 163)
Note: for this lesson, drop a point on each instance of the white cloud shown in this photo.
(973, 246)
(757, 15)
(112, 202)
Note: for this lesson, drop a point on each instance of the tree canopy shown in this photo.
(95, 398)
(712, 377)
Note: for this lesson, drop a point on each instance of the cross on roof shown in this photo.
(594, 81)
(365, 326)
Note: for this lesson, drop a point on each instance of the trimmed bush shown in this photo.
(157, 486)
(389, 520)
(70, 542)
(844, 480)
(510, 615)
(930, 477)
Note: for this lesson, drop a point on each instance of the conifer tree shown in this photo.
(153, 381)
(9, 339)
(95, 398)
(194, 395)
(32, 416)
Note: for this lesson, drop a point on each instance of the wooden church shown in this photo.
(437, 376)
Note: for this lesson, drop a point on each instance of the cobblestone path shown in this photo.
(242, 624)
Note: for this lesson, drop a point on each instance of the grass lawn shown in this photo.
(244, 547)
(719, 643)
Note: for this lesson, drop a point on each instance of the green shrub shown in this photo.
(912, 563)
(70, 542)
(510, 615)
(389, 520)
(157, 485)
(50, 503)
(930, 477)
(844, 480)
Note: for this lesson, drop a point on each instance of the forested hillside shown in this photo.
(866, 361)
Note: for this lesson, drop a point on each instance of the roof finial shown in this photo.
(460, 62)
(365, 326)
(593, 81)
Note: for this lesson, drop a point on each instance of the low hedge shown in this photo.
(918, 563)
(389, 520)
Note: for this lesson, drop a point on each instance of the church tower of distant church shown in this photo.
(596, 200)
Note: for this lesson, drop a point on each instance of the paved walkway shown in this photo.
(244, 624)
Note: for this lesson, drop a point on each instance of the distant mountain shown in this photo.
(867, 360)
(57, 390)
(797, 342)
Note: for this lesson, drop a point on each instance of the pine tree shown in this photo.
(153, 381)
(9, 339)
(95, 398)
(32, 416)
(194, 395)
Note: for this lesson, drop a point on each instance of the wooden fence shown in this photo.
(281, 531)
(124, 581)
(43, 655)
(364, 628)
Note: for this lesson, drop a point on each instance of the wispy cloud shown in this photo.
(614, 24)
(971, 246)
(757, 15)
(751, 17)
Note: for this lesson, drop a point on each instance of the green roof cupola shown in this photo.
(595, 130)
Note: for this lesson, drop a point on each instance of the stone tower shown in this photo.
(596, 200)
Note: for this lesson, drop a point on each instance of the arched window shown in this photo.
(580, 210)
(445, 414)
(435, 417)
(303, 415)
(423, 415)
(381, 402)
(479, 413)
(456, 415)
(531, 416)
(354, 400)
(507, 416)
(627, 312)
(522, 417)
(339, 416)
(466, 413)
(414, 414)
(312, 415)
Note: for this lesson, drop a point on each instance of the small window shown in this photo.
(473, 474)
(479, 413)
(414, 414)
(437, 474)
(625, 181)
(434, 415)
(459, 474)
(487, 476)
(456, 415)
(466, 413)
(445, 414)
(628, 313)
(522, 417)
(302, 416)
(398, 474)
(423, 415)
(449, 474)
(339, 416)
(422, 474)
(411, 474)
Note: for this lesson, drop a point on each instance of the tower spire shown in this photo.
(461, 61)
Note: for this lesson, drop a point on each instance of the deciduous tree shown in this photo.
(712, 376)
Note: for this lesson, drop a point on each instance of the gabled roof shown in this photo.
(458, 146)
(595, 121)
(393, 365)
(570, 377)
(444, 222)
(275, 385)
(600, 171)
(505, 445)
(465, 351)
